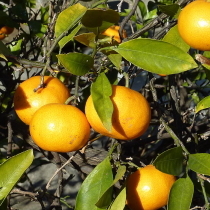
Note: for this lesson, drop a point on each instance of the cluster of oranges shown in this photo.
(5, 31)
(59, 127)
(55, 126)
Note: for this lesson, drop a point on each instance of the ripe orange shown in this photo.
(113, 31)
(162, 75)
(131, 116)
(26, 101)
(59, 128)
(6, 30)
(2, 36)
(148, 188)
(194, 24)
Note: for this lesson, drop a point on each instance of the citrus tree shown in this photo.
(117, 91)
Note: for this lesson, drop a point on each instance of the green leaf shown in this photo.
(95, 17)
(120, 173)
(87, 39)
(199, 163)
(11, 170)
(174, 38)
(102, 200)
(170, 10)
(170, 161)
(101, 90)
(116, 59)
(4, 51)
(156, 56)
(76, 63)
(181, 194)
(15, 47)
(68, 38)
(68, 18)
(119, 202)
(203, 104)
(95, 184)
(143, 8)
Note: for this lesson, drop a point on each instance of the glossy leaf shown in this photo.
(11, 170)
(102, 201)
(170, 10)
(101, 90)
(15, 47)
(156, 56)
(181, 194)
(203, 104)
(119, 202)
(116, 59)
(68, 38)
(4, 51)
(174, 38)
(76, 63)
(200, 163)
(87, 39)
(170, 161)
(120, 173)
(142, 8)
(68, 18)
(95, 17)
(95, 184)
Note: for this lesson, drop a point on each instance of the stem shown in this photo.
(177, 141)
(71, 98)
(59, 169)
(76, 92)
(204, 192)
(126, 79)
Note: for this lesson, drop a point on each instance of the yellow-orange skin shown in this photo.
(162, 75)
(148, 188)
(113, 31)
(27, 102)
(194, 25)
(2, 36)
(6, 30)
(59, 128)
(131, 115)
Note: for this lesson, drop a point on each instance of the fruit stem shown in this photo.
(71, 98)
(76, 90)
(126, 79)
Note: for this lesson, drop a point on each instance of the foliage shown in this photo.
(64, 39)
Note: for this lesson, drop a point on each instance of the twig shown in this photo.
(32, 195)
(204, 192)
(127, 18)
(148, 26)
(76, 90)
(66, 163)
(57, 194)
(9, 146)
(203, 177)
(168, 129)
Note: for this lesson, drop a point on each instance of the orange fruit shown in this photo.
(131, 115)
(113, 31)
(26, 101)
(148, 188)
(194, 24)
(6, 30)
(162, 75)
(2, 36)
(59, 128)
